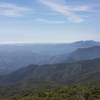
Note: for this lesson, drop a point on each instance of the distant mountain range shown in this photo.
(87, 71)
(85, 53)
(16, 56)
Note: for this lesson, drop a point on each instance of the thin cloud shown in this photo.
(12, 10)
(75, 19)
(47, 21)
(71, 12)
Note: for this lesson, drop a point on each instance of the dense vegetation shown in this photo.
(71, 92)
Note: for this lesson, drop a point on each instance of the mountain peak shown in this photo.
(87, 41)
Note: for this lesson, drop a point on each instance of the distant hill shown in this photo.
(78, 55)
(83, 71)
(15, 56)
(85, 53)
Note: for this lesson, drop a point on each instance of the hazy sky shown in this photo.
(49, 20)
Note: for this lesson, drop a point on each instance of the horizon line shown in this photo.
(61, 42)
